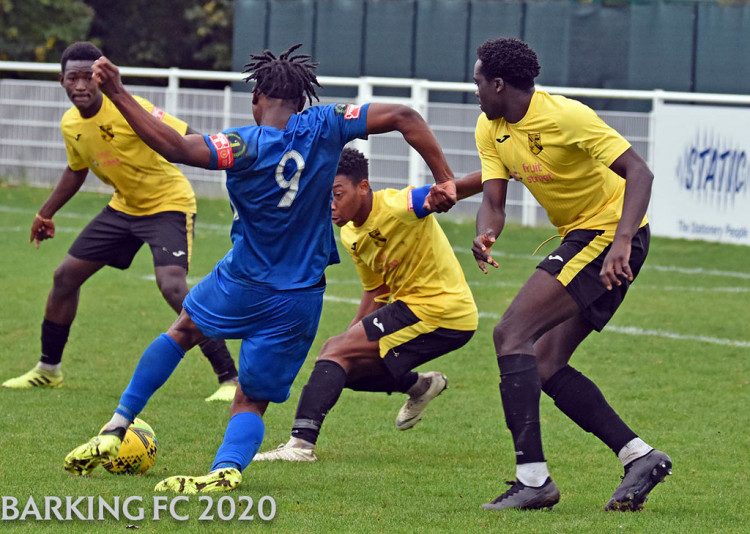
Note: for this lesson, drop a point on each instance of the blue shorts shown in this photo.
(276, 327)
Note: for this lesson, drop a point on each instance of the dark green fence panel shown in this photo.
(291, 22)
(723, 51)
(547, 28)
(441, 40)
(598, 53)
(677, 46)
(389, 38)
(660, 45)
(249, 33)
(339, 37)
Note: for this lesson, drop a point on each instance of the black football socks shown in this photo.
(520, 390)
(319, 395)
(54, 338)
(581, 400)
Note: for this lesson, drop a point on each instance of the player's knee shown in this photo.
(500, 335)
(337, 357)
(243, 403)
(332, 349)
(64, 280)
(331, 356)
(511, 338)
(173, 290)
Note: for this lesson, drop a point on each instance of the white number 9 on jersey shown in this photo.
(292, 184)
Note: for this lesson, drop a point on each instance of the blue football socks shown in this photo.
(242, 440)
(156, 365)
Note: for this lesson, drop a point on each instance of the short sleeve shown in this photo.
(492, 166)
(351, 120)
(590, 133)
(75, 161)
(369, 278)
(232, 149)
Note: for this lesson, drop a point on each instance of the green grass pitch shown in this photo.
(675, 363)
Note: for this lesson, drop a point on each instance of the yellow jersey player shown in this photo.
(595, 189)
(153, 203)
(416, 306)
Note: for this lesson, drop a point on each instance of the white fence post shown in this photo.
(364, 95)
(420, 97)
(226, 120)
(173, 89)
(528, 208)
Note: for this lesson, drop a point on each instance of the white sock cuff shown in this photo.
(533, 474)
(633, 449)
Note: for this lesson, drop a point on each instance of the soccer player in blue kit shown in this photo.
(268, 289)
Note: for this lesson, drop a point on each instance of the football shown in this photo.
(138, 451)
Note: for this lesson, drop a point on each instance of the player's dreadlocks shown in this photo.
(288, 78)
(353, 164)
(510, 59)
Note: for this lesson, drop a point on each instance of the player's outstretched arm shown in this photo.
(466, 186)
(490, 221)
(469, 185)
(638, 180)
(190, 149)
(43, 228)
(383, 118)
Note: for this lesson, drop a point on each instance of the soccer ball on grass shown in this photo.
(138, 451)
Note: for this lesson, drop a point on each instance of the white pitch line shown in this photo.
(220, 228)
(72, 215)
(636, 331)
(627, 330)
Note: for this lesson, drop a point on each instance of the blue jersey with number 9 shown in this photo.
(279, 183)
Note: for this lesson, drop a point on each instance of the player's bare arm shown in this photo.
(466, 186)
(638, 180)
(469, 185)
(369, 304)
(383, 118)
(43, 228)
(190, 149)
(490, 222)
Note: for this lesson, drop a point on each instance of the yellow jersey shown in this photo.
(145, 183)
(561, 151)
(414, 258)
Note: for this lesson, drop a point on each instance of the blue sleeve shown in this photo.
(418, 194)
(234, 148)
(213, 162)
(352, 120)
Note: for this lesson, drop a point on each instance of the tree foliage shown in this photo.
(170, 33)
(39, 30)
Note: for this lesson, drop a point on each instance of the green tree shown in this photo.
(168, 33)
(39, 30)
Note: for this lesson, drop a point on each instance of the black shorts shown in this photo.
(113, 237)
(577, 262)
(405, 341)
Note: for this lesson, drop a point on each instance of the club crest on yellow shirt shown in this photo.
(535, 143)
(377, 238)
(107, 132)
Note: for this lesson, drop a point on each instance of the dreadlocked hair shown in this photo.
(285, 77)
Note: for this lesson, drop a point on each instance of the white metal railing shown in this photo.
(461, 153)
